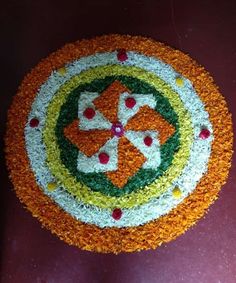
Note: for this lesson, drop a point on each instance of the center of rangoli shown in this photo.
(118, 149)
(117, 129)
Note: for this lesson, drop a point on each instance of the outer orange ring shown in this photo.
(154, 233)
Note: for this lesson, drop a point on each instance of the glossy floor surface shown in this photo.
(30, 30)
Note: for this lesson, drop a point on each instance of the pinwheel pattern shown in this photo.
(118, 132)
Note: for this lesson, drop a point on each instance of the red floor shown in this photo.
(30, 30)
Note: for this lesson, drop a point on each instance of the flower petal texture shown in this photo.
(122, 143)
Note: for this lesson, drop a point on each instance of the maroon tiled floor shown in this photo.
(30, 30)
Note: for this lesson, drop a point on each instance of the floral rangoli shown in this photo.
(121, 143)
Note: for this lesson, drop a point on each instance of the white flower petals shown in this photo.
(187, 181)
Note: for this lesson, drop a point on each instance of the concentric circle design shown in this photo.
(118, 144)
(132, 199)
(68, 153)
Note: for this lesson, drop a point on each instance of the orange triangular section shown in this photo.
(130, 159)
(89, 142)
(148, 119)
(107, 102)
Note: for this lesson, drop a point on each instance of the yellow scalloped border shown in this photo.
(115, 240)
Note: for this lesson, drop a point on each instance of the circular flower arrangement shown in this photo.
(118, 143)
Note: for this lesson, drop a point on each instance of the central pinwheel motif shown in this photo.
(118, 132)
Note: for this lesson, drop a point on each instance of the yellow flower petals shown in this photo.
(51, 186)
(179, 81)
(62, 71)
(177, 193)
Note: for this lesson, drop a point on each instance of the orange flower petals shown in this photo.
(89, 142)
(130, 159)
(107, 102)
(147, 118)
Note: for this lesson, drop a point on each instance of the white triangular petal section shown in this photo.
(92, 164)
(152, 152)
(98, 121)
(125, 113)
